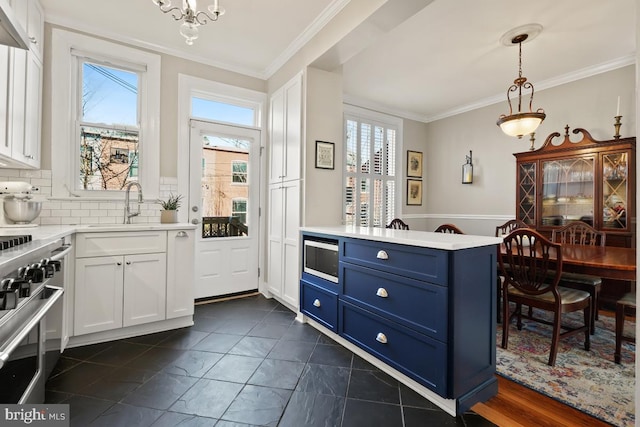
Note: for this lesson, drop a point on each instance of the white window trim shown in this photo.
(63, 100)
(357, 113)
(190, 86)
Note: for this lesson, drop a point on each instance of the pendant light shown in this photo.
(520, 123)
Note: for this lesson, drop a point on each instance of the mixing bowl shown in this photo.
(21, 211)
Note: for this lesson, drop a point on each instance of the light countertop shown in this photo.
(426, 239)
(43, 235)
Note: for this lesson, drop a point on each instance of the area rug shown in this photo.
(588, 381)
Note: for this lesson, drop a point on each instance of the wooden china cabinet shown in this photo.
(588, 180)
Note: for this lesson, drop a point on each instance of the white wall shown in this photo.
(589, 103)
(323, 122)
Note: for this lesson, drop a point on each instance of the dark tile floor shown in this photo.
(245, 362)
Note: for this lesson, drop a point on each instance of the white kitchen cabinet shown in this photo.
(285, 132)
(21, 117)
(283, 247)
(180, 273)
(285, 142)
(99, 294)
(120, 280)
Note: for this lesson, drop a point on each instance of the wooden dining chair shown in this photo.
(448, 228)
(398, 224)
(531, 258)
(624, 306)
(581, 233)
(503, 230)
(509, 226)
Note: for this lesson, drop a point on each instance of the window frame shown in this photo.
(245, 173)
(374, 119)
(67, 48)
(240, 199)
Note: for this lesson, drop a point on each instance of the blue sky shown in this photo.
(110, 97)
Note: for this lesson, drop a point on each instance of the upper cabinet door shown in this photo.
(285, 132)
(35, 28)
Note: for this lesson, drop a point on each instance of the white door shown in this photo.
(224, 195)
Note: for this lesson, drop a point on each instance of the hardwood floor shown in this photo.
(516, 405)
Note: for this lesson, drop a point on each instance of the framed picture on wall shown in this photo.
(325, 155)
(414, 164)
(414, 192)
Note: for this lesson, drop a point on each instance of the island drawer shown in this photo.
(418, 356)
(418, 305)
(319, 304)
(409, 261)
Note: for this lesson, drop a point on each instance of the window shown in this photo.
(370, 171)
(239, 210)
(229, 111)
(239, 172)
(106, 119)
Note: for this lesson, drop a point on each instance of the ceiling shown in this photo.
(445, 59)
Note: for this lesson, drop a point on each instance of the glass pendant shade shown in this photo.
(520, 124)
(189, 31)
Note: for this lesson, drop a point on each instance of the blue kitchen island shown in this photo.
(420, 306)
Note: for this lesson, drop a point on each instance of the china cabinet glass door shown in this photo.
(568, 191)
(614, 190)
(527, 193)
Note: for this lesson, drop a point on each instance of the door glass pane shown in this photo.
(567, 193)
(226, 177)
(614, 190)
(527, 193)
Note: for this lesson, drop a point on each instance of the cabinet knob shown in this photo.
(128, 262)
(316, 303)
(382, 255)
(381, 338)
(195, 221)
(33, 40)
(382, 293)
(118, 263)
(181, 234)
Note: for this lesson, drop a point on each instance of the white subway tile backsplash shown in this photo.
(87, 212)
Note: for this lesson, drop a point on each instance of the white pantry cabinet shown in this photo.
(120, 280)
(285, 171)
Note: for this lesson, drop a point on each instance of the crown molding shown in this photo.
(76, 26)
(545, 84)
(314, 28)
(541, 85)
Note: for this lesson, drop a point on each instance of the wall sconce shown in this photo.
(467, 169)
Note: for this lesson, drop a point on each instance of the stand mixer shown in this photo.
(19, 205)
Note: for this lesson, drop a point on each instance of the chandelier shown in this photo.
(520, 123)
(192, 17)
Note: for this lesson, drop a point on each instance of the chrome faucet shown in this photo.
(127, 207)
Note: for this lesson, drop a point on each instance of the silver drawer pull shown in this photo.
(181, 234)
(382, 293)
(382, 255)
(381, 338)
(316, 303)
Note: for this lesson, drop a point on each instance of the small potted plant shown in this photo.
(169, 212)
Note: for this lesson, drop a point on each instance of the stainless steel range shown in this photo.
(31, 315)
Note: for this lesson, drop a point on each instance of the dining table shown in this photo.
(608, 262)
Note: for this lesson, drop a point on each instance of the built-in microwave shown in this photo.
(321, 258)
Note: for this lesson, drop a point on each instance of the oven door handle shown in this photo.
(22, 334)
(57, 256)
